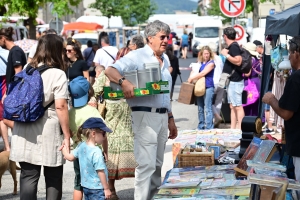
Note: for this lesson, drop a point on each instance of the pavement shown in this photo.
(185, 118)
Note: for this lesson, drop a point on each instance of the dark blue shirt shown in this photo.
(209, 78)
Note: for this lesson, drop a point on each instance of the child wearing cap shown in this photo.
(93, 171)
(78, 114)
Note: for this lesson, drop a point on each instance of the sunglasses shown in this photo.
(162, 37)
(69, 50)
(293, 42)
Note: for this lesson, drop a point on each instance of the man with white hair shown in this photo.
(218, 90)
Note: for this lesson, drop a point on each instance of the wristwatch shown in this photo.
(227, 55)
(121, 80)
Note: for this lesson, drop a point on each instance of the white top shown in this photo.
(4, 54)
(218, 69)
(32, 50)
(103, 58)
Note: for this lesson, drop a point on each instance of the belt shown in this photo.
(149, 109)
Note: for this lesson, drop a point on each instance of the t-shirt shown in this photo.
(76, 69)
(103, 58)
(234, 50)
(16, 57)
(290, 100)
(4, 54)
(209, 82)
(218, 68)
(185, 39)
(77, 116)
(89, 55)
(91, 159)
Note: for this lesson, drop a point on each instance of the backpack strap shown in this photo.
(48, 106)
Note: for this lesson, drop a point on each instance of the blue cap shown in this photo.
(95, 122)
(79, 90)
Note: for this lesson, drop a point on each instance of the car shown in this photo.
(83, 38)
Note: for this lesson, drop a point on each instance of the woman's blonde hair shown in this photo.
(200, 54)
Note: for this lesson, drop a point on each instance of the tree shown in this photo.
(251, 6)
(30, 8)
(132, 12)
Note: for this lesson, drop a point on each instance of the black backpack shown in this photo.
(246, 65)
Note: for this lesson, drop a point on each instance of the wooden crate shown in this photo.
(186, 94)
(196, 159)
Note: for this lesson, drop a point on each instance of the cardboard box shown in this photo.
(186, 94)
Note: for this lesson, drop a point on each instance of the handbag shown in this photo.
(199, 89)
(252, 91)
(224, 80)
(102, 105)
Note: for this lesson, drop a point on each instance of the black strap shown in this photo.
(109, 54)
(3, 60)
(89, 54)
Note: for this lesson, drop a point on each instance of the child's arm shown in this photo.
(67, 155)
(102, 177)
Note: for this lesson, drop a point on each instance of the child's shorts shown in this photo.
(94, 194)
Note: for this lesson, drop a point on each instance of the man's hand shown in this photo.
(128, 88)
(268, 97)
(224, 52)
(172, 129)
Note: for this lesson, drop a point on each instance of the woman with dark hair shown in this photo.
(175, 67)
(15, 62)
(39, 143)
(76, 65)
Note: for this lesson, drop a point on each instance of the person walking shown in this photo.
(106, 55)
(207, 65)
(82, 92)
(3, 65)
(77, 66)
(121, 162)
(136, 42)
(175, 68)
(38, 143)
(16, 60)
(184, 42)
(93, 170)
(288, 106)
(151, 115)
(236, 85)
(88, 56)
(216, 107)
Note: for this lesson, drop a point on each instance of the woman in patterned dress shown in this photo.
(121, 162)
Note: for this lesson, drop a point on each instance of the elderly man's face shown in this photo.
(159, 42)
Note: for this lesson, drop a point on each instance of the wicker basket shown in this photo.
(196, 159)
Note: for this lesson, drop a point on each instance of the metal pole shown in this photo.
(232, 21)
(56, 15)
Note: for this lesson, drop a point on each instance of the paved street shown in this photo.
(185, 118)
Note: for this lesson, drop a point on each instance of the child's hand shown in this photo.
(107, 193)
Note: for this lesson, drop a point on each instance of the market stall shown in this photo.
(283, 23)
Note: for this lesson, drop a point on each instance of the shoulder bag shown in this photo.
(200, 85)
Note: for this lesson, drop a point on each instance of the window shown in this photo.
(206, 32)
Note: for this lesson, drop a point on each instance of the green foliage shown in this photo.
(30, 7)
(170, 6)
(132, 11)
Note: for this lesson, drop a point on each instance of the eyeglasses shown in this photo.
(162, 37)
(293, 42)
(69, 50)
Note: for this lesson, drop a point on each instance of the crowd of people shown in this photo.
(128, 139)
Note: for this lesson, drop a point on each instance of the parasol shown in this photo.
(82, 26)
(25, 44)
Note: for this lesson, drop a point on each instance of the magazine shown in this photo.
(179, 191)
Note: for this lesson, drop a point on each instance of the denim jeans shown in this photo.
(93, 194)
(205, 106)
